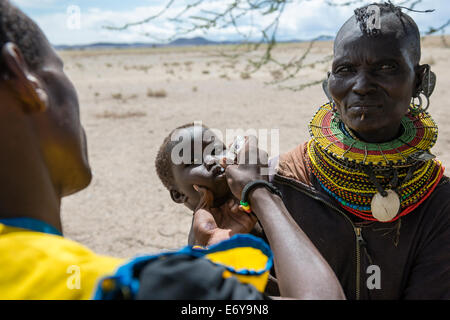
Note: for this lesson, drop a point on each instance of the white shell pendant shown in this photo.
(385, 208)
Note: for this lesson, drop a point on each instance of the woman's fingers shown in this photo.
(206, 198)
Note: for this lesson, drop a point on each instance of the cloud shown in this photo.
(300, 20)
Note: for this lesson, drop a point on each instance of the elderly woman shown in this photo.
(365, 189)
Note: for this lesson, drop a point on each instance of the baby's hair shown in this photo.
(163, 162)
(16, 27)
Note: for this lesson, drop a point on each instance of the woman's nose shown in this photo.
(363, 84)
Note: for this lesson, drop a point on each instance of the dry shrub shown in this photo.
(161, 93)
(277, 74)
(245, 75)
(117, 96)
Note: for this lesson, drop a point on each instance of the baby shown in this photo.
(189, 168)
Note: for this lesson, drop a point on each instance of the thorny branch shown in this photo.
(233, 13)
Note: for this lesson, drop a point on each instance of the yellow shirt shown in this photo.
(38, 265)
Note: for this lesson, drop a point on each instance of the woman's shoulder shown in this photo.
(293, 164)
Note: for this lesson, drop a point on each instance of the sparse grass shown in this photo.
(117, 96)
(194, 89)
(245, 75)
(144, 68)
(124, 115)
(205, 71)
(108, 65)
(161, 93)
(277, 74)
(120, 96)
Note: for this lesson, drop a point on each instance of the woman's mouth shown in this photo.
(361, 111)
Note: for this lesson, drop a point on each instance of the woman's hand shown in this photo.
(212, 225)
(251, 162)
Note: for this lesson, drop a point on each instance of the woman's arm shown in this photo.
(301, 271)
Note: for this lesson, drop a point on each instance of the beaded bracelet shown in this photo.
(244, 204)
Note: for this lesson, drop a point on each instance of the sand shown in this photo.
(131, 99)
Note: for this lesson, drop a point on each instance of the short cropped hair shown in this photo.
(17, 27)
(163, 162)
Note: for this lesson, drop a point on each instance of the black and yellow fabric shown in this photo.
(237, 268)
(37, 262)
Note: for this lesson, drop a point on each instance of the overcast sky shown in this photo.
(302, 19)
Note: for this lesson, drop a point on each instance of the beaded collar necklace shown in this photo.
(374, 181)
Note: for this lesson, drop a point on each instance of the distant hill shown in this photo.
(196, 41)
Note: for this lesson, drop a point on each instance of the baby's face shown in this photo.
(200, 168)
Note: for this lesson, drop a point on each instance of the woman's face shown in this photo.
(372, 82)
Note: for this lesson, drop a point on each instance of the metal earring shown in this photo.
(427, 85)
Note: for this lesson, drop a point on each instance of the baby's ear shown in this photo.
(177, 196)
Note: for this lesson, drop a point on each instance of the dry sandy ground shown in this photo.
(126, 210)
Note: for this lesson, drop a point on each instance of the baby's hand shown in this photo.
(212, 225)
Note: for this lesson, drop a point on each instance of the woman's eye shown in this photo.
(386, 67)
(343, 69)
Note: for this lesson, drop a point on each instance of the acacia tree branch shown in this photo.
(193, 17)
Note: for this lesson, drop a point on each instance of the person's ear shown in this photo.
(177, 196)
(425, 81)
(27, 86)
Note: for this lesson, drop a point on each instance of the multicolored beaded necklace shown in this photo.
(358, 174)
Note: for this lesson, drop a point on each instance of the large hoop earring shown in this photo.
(428, 82)
(416, 109)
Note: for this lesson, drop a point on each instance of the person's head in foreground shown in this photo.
(186, 160)
(42, 139)
(44, 158)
